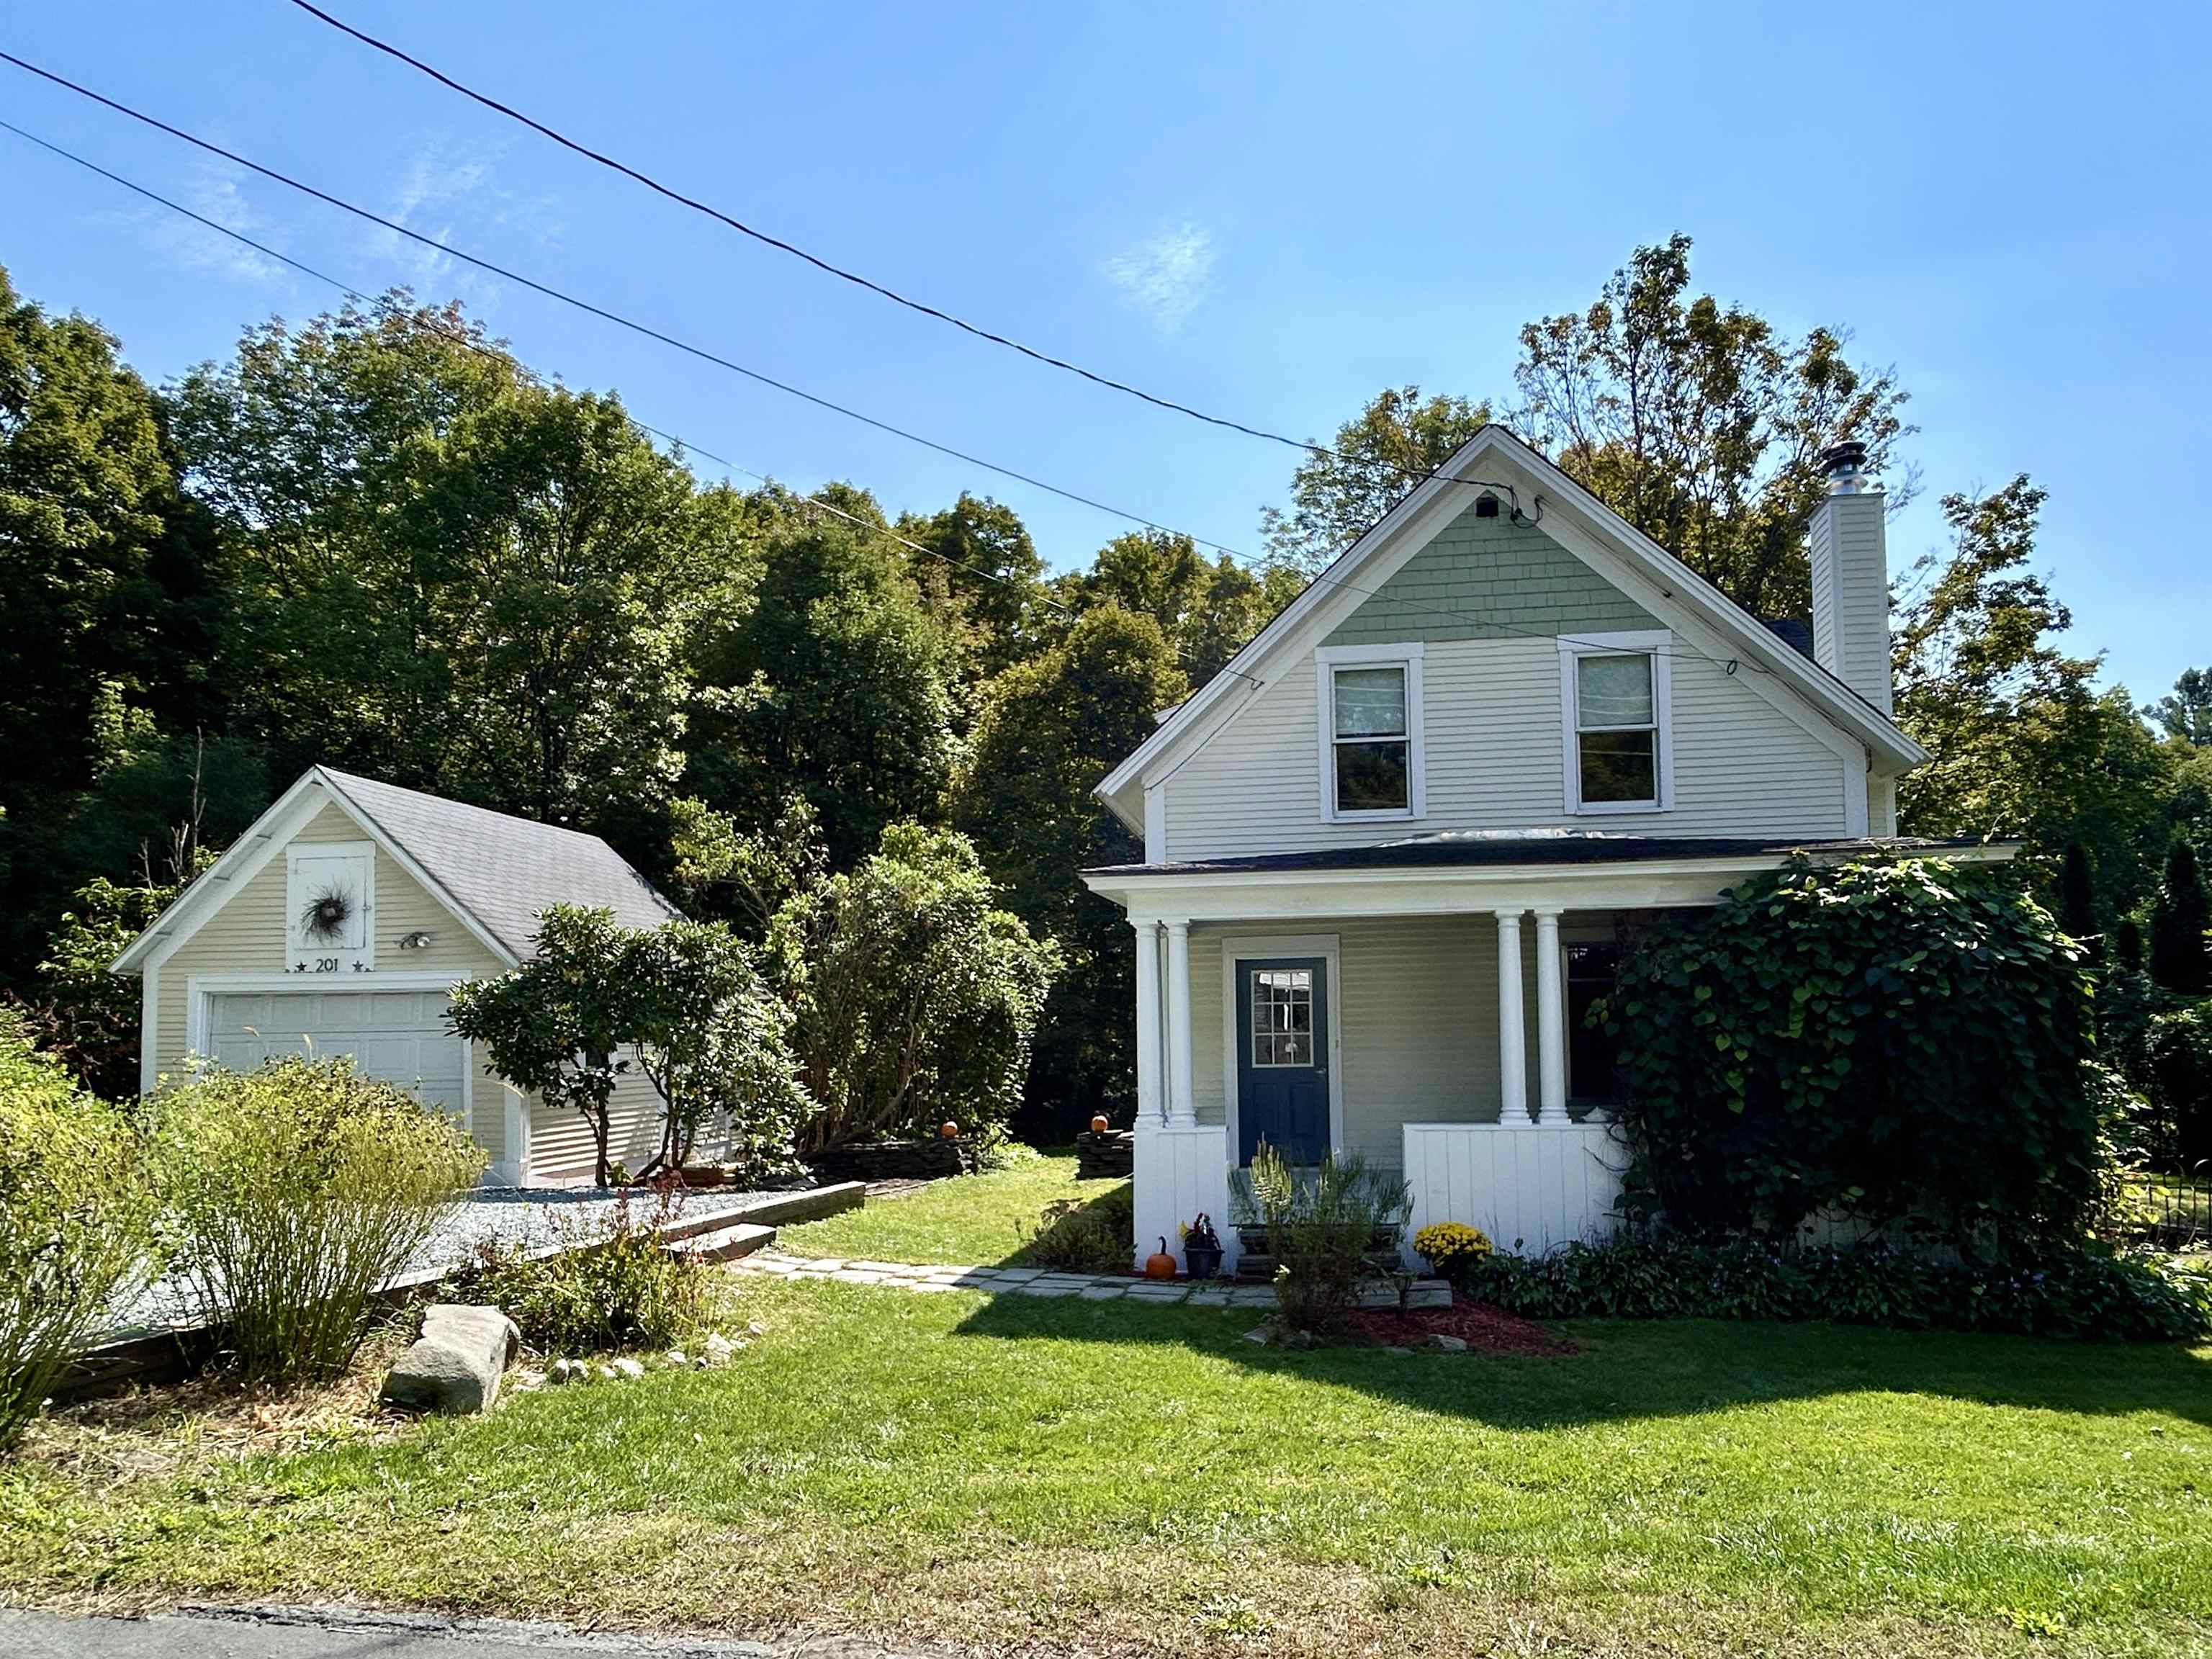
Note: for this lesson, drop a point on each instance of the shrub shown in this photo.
(1449, 1247)
(1322, 1229)
(295, 1190)
(555, 1025)
(2180, 1047)
(75, 1222)
(609, 1284)
(2063, 1291)
(1899, 1039)
(1087, 1236)
(916, 996)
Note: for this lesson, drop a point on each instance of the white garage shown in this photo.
(339, 923)
(400, 1036)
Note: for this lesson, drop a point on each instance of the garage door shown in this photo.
(398, 1035)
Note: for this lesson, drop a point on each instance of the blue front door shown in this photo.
(1282, 1058)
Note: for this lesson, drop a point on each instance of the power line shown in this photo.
(1414, 475)
(494, 353)
(1453, 614)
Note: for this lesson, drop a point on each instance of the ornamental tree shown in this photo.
(557, 1025)
(1903, 1041)
(2180, 958)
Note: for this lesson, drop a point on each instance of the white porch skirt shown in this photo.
(1182, 1172)
(1529, 1186)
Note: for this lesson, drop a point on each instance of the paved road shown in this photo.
(317, 1633)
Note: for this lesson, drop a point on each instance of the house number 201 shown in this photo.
(326, 964)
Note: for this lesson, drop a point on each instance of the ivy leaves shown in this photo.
(1903, 1040)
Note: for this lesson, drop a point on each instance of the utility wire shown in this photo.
(1414, 475)
(1453, 614)
(498, 354)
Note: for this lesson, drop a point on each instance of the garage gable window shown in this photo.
(1370, 702)
(329, 908)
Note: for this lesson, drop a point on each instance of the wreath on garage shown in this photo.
(324, 919)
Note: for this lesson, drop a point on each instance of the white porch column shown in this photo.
(1551, 1022)
(1183, 1104)
(1512, 1046)
(1151, 1096)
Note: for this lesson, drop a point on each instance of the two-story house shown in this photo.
(1396, 848)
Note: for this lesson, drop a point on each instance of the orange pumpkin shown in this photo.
(1099, 1123)
(949, 1129)
(1160, 1264)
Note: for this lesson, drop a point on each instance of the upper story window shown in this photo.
(1615, 704)
(1370, 732)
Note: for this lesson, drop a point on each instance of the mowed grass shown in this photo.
(1117, 1478)
(967, 1221)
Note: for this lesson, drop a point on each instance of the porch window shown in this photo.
(1371, 734)
(1615, 701)
(1282, 1017)
(1593, 1057)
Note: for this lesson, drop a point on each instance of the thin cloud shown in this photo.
(216, 191)
(1166, 276)
(456, 197)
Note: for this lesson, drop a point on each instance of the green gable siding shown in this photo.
(1485, 579)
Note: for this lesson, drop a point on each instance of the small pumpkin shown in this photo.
(949, 1129)
(1160, 1264)
(1099, 1123)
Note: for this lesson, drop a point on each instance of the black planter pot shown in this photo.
(1203, 1261)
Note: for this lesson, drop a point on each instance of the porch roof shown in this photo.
(1459, 849)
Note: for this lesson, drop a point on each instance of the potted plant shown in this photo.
(1201, 1248)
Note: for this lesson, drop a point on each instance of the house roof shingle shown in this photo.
(503, 870)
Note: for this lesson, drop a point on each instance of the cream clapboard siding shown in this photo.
(1494, 761)
(1417, 1004)
(245, 935)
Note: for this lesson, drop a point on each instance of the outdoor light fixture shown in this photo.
(417, 940)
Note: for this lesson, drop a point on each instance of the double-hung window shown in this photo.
(1370, 732)
(1614, 697)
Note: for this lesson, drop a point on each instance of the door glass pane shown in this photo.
(1282, 1017)
(1373, 777)
(1619, 766)
(1371, 702)
(1612, 691)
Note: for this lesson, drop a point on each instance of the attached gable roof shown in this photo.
(1580, 523)
(494, 872)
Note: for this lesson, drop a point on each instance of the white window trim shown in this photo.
(1655, 643)
(1327, 660)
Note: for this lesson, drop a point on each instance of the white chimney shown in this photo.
(1850, 577)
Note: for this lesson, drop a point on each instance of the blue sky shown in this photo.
(1269, 211)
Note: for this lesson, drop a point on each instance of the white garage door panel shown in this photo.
(398, 1035)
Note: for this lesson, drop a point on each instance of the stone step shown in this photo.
(728, 1243)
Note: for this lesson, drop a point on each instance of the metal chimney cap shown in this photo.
(1841, 460)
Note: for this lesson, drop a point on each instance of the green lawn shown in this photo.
(1124, 1477)
(972, 1221)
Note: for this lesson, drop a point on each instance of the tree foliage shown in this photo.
(916, 996)
(2180, 953)
(1205, 609)
(1702, 424)
(1378, 456)
(1903, 1041)
(1049, 730)
(2186, 713)
(556, 1026)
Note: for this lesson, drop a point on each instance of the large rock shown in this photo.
(457, 1364)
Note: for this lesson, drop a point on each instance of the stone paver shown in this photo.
(1005, 1281)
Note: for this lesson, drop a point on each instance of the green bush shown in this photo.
(2180, 1066)
(1088, 1236)
(1901, 1040)
(1323, 1226)
(295, 1190)
(75, 1222)
(2063, 1291)
(608, 1284)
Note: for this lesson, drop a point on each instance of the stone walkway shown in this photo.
(1008, 1281)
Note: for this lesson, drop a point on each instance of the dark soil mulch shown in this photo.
(1484, 1328)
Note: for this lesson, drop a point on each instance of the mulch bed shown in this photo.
(1484, 1328)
